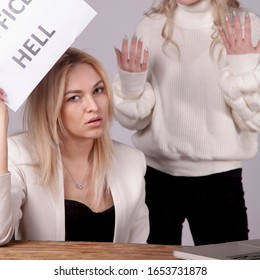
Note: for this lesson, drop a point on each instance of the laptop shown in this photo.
(238, 250)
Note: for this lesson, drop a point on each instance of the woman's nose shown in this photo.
(90, 104)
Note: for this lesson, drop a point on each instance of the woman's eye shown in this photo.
(98, 90)
(74, 98)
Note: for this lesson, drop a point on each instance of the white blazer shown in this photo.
(36, 213)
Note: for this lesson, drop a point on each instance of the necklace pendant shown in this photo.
(79, 186)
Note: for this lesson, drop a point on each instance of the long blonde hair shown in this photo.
(168, 7)
(45, 128)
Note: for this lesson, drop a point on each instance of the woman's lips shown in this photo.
(94, 122)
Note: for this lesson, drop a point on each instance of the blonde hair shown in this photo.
(168, 7)
(45, 128)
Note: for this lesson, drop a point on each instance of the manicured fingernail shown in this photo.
(146, 49)
(134, 36)
(140, 40)
(125, 37)
(247, 14)
(234, 12)
(228, 16)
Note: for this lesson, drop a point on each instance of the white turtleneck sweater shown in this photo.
(193, 116)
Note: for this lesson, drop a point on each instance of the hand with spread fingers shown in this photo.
(237, 40)
(131, 60)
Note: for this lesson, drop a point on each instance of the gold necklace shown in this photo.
(79, 186)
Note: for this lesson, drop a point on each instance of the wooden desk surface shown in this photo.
(49, 250)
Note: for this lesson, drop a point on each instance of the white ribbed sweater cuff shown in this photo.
(243, 63)
(132, 84)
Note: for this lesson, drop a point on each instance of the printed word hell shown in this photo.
(32, 46)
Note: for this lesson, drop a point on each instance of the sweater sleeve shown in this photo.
(133, 99)
(240, 82)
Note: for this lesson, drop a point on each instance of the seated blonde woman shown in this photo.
(64, 178)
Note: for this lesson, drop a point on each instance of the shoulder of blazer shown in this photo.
(19, 149)
(128, 159)
(126, 176)
(125, 152)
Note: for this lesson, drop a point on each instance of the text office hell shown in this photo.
(31, 46)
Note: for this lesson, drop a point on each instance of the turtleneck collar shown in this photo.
(195, 16)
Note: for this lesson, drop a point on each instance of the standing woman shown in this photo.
(66, 179)
(196, 111)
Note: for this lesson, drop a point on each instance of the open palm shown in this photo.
(236, 40)
(131, 60)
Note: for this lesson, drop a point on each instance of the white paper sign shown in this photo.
(33, 35)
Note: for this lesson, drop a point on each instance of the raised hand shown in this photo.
(131, 61)
(237, 40)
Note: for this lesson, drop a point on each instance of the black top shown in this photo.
(82, 224)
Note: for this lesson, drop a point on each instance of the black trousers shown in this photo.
(214, 206)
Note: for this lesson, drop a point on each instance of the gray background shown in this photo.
(115, 19)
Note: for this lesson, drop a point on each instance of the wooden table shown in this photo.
(49, 250)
